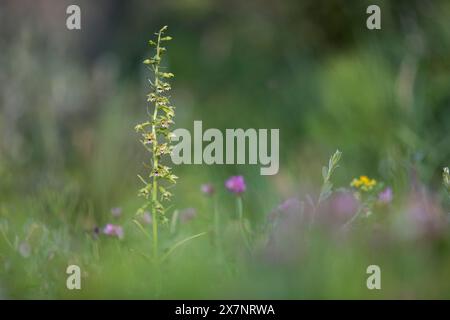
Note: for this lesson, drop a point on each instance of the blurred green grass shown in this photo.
(68, 152)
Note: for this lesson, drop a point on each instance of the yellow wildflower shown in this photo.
(364, 183)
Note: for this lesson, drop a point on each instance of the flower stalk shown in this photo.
(327, 187)
(156, 138)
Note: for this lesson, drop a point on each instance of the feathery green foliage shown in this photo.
(327, 172)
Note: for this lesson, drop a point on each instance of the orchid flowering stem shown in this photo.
(156, 138)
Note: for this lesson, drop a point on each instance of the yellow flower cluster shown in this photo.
(363, 183)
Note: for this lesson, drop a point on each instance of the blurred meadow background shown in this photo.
(69, 155)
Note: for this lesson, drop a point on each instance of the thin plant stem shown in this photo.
(352, 219)
(6, 238)
(217, 233)
(96, 251)
(241, 222)
(155, 233)
(155, 162)
(216, 223)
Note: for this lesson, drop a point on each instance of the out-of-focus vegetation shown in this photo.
(69, 101)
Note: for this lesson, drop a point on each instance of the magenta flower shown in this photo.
(289, 208)
(236, 184)
(385, 196)
(207, 189)
(113, 230)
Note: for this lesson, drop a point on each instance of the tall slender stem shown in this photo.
(155, 160)
(156, 132)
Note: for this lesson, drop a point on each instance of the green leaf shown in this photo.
(141, 253)
(142, 179)
(324, 173)
(140, 227)
(179, 243)
(325, 192)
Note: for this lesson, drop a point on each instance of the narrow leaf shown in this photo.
(178, 244)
